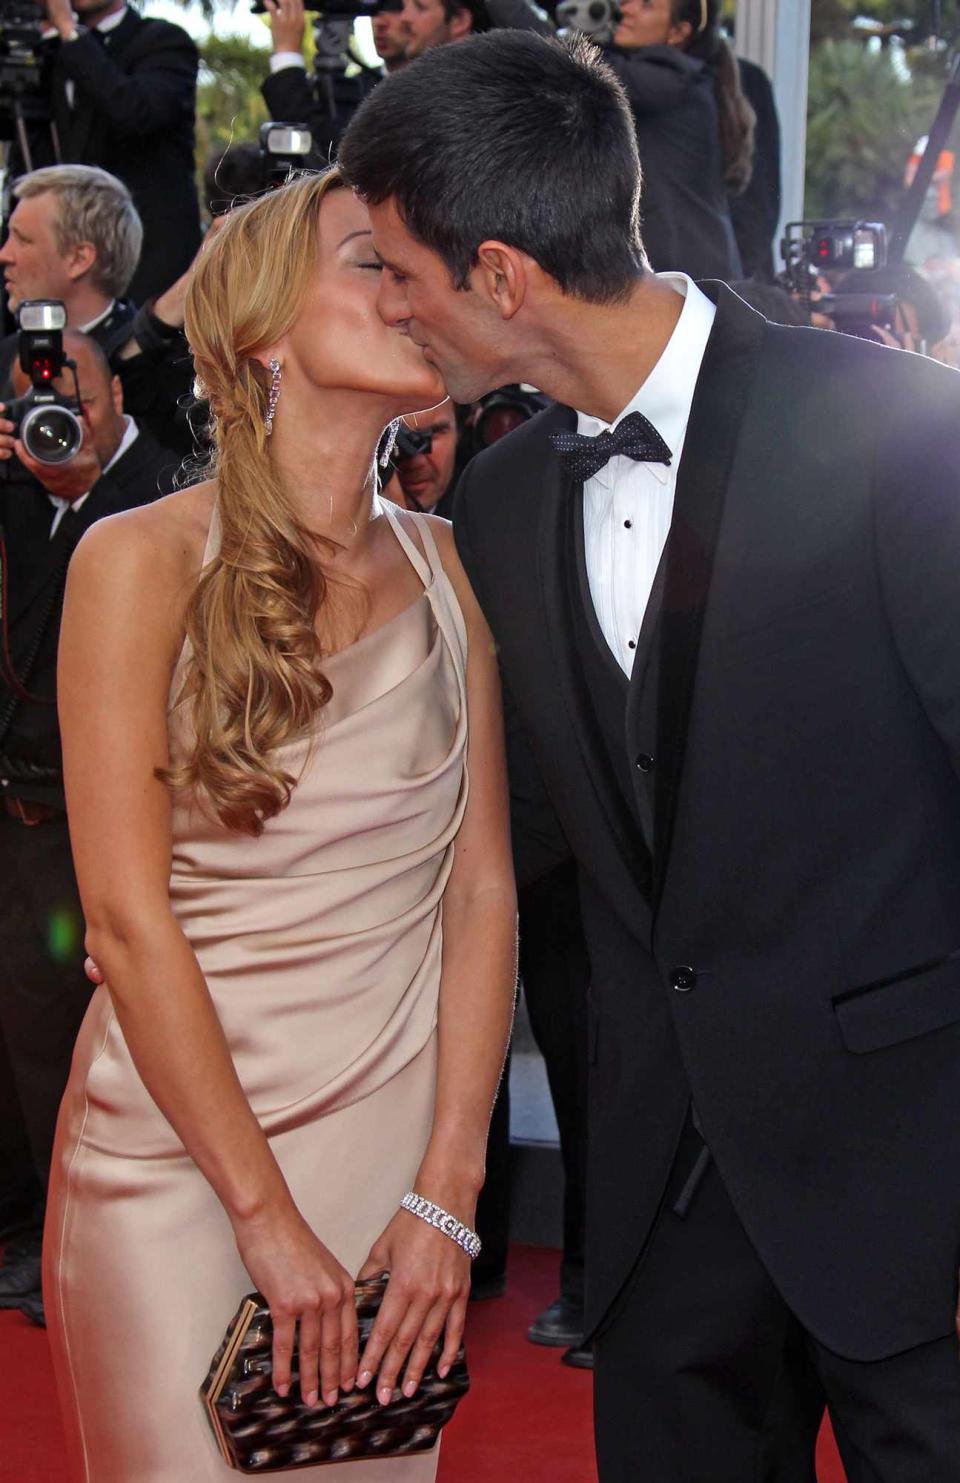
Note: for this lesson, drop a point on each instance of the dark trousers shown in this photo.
(703, 1375)
(43, 993)
(555, 971)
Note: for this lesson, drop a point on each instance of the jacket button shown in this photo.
(683, 980)
(645, 762)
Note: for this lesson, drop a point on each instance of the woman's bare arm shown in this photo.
(122, 629)
(477, 989)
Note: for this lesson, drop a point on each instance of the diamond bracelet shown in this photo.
(443, 1221)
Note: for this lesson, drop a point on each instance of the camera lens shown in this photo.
(51, 434)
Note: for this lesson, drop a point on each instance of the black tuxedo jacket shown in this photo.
(37, 572)
(133, 114)
(684, 203)
(794, 961)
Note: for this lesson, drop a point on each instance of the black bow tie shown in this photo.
(634, 437)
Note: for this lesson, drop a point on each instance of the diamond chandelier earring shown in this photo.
(391, 442)
(276, 373)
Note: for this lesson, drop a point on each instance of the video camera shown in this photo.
(812, 248)
(597, 19)
(47, 422)
(24, 73)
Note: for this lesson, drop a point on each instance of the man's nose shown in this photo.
(391, 303)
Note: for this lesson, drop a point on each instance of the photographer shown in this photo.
(289, 92)
(122, 95)
(43, 993)
(694, 131)
(426, 466)
(74, 235)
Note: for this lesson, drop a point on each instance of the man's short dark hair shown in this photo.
(512, 137)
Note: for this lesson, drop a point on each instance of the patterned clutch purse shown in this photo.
(259, 1431)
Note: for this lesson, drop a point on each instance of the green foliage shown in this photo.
(865, 113)
(833, 19)
(229, 104)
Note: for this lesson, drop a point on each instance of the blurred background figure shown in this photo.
(123, 96)
(43, 992)
(935, 235)
(755, 209)
(695, 131)
(426, 461)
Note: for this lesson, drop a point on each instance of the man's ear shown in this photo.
(502, 275)
(80, 259)
(460, 24)
(116, 395)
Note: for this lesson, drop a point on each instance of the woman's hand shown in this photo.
(427, 1292)
(304, 1284)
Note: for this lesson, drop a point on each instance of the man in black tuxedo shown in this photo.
(725, 607)
(123, 95)
(43, 993)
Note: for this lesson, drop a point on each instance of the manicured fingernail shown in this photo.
(331, 1397)
(347, 1385)
(384, 1394)
(364, 1378)
(443, 1371)
(310, 1399)
(283, 1390)
(410, 1389)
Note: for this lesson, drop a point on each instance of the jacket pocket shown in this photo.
(924, 998)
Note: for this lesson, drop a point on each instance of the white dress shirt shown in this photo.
(628, 506)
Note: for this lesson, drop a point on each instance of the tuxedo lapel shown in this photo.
(721, 394)
(557, 578)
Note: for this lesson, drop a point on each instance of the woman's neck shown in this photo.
(325, 458)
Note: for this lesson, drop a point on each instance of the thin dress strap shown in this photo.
(424, 568)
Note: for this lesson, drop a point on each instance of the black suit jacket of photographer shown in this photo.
(37, 568)
(291, 97)
(684, 202)
(770, 848)
(133, 114)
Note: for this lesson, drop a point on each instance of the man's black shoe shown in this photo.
(31, 1306)
(580, 1357)
(560, 1325)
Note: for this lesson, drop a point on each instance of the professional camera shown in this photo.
(597, 19)
(24, 68)
(46, 421)
(284, 149)
(497, 414)
(340, 9)
(812, 248)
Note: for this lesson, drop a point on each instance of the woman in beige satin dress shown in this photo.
(303, 916)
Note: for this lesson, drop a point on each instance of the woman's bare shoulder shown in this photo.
(166, 538)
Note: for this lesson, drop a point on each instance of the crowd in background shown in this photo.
(107, 218)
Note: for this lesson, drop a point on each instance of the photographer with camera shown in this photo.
(426, 459)
(43, 994)
(325, 108)
(120, 93)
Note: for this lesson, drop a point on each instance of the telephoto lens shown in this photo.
(51, 434)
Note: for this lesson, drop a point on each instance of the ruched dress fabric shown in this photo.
(320, 943)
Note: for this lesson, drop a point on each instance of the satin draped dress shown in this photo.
(320, 943)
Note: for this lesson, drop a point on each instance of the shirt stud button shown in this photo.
(631, 644)
(628, 525)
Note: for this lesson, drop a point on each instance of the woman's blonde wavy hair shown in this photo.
(253, 672)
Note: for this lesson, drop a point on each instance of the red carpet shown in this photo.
(527, 1419)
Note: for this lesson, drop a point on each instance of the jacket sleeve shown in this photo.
(155, 91)
(290, 99)
(917, 535)
(539, 843)
(654, 82)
